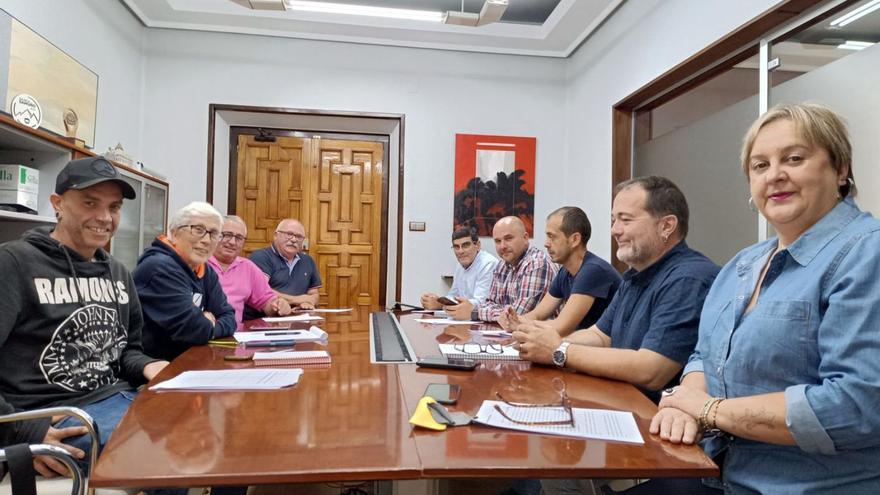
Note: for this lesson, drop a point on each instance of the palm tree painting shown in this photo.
(494, 178)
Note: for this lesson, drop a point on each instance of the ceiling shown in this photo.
(549, 28)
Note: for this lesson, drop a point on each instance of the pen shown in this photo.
(269, 343)
(284, 332)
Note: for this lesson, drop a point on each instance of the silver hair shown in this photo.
(185, 215)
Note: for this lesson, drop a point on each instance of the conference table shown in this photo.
(349, 422)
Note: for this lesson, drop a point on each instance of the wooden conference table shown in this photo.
(350, 422)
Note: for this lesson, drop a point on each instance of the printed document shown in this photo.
(242, 379)
(446, 321)
(301, 317)
(588, 423)
(313, 334)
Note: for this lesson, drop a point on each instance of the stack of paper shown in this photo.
(239, 379)
(313, 334)
(588, 423)
(301, 317)
(291, 358)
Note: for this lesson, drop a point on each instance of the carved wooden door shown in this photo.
(346, 221)
(334, 187)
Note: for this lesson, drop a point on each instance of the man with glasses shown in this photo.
(520, 282)
(473, 274)
(182, 299)
(293, 274)
(243, 282)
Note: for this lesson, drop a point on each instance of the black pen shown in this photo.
(270, 343)
(283, 332)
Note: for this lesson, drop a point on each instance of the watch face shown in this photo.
(558, 358)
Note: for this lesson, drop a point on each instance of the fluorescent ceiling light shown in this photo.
(856, 14)
(854, 45)
(341, 8)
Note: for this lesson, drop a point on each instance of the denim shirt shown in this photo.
(813, 333)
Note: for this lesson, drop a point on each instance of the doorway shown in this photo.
(335, 185)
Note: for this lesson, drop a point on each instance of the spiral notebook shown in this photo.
(481, 352)
(291, 358)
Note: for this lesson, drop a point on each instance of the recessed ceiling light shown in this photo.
(856, 14)
(854, 45)
(365, 10)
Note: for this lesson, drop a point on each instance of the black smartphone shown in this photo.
(446, 301)
(447, 363)
(443, 393)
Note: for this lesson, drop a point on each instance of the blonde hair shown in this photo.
(819, 126)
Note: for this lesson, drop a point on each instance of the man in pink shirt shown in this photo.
(242, 281)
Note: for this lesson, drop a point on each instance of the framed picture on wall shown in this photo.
(494, 178)
(66, 90)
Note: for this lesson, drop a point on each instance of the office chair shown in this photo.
(77, 484)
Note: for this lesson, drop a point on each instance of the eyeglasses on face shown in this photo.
(290, 235)
(564, 403)
(479, 348)
(199, 231)
(463, 246)
(229, 236)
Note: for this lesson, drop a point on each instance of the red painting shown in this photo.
(494, 178)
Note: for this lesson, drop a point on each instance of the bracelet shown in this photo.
(704, 413)
(714, 425)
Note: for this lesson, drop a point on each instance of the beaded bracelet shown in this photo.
(704, 414)
(717, 405)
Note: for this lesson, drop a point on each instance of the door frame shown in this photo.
(272, 114)
(715, 59)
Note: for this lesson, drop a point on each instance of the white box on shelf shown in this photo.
(18, 198)
(19, 178)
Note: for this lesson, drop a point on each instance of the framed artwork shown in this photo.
(494, 178)
(66, 90)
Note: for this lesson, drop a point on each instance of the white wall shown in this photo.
(106, 38)
(441, 93)
(643, 39)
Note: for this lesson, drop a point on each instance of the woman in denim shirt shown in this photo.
(785, 380)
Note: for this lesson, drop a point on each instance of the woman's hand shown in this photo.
(675, 426)
(688, 399)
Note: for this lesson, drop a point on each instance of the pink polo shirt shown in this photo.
(243, 282)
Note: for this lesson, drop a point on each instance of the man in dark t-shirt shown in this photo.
(585, 284)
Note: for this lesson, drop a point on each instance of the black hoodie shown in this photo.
(70, 330)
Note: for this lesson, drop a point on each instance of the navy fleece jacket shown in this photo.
(173, 299)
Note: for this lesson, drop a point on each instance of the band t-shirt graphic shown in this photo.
(83, 348)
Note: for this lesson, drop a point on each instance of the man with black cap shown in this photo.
(70, 328)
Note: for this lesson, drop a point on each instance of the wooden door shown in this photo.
(346, 221)
(272, 183)
(334, 187)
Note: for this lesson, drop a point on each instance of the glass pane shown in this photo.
(838, 65)
(154, 213)
(694, 140)
(124, 246)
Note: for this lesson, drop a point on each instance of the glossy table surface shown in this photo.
(350, 422)
(478, 450)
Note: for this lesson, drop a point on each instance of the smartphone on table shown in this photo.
(446, 301)
(445, 362)
(443, 393)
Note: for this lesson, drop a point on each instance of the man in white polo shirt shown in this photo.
(473, 274)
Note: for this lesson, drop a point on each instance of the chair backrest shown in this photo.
(21, 473)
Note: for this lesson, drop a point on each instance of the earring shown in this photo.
(752, 204)
(665, 238)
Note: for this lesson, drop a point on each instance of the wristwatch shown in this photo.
(561, 354)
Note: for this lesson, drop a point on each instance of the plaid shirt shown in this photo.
(520, 286)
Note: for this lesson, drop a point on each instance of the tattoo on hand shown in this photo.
(751, 419)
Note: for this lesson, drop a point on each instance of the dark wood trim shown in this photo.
(621, 162)
(213, 108)
(704, 65)
(400, 162)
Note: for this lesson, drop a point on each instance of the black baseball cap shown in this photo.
(86, 172)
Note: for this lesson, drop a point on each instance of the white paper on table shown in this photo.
(329, 310)
(507, 352)
(302, 317)
(241, 379)
(600, 424)
(313, 334)
(446, 321)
